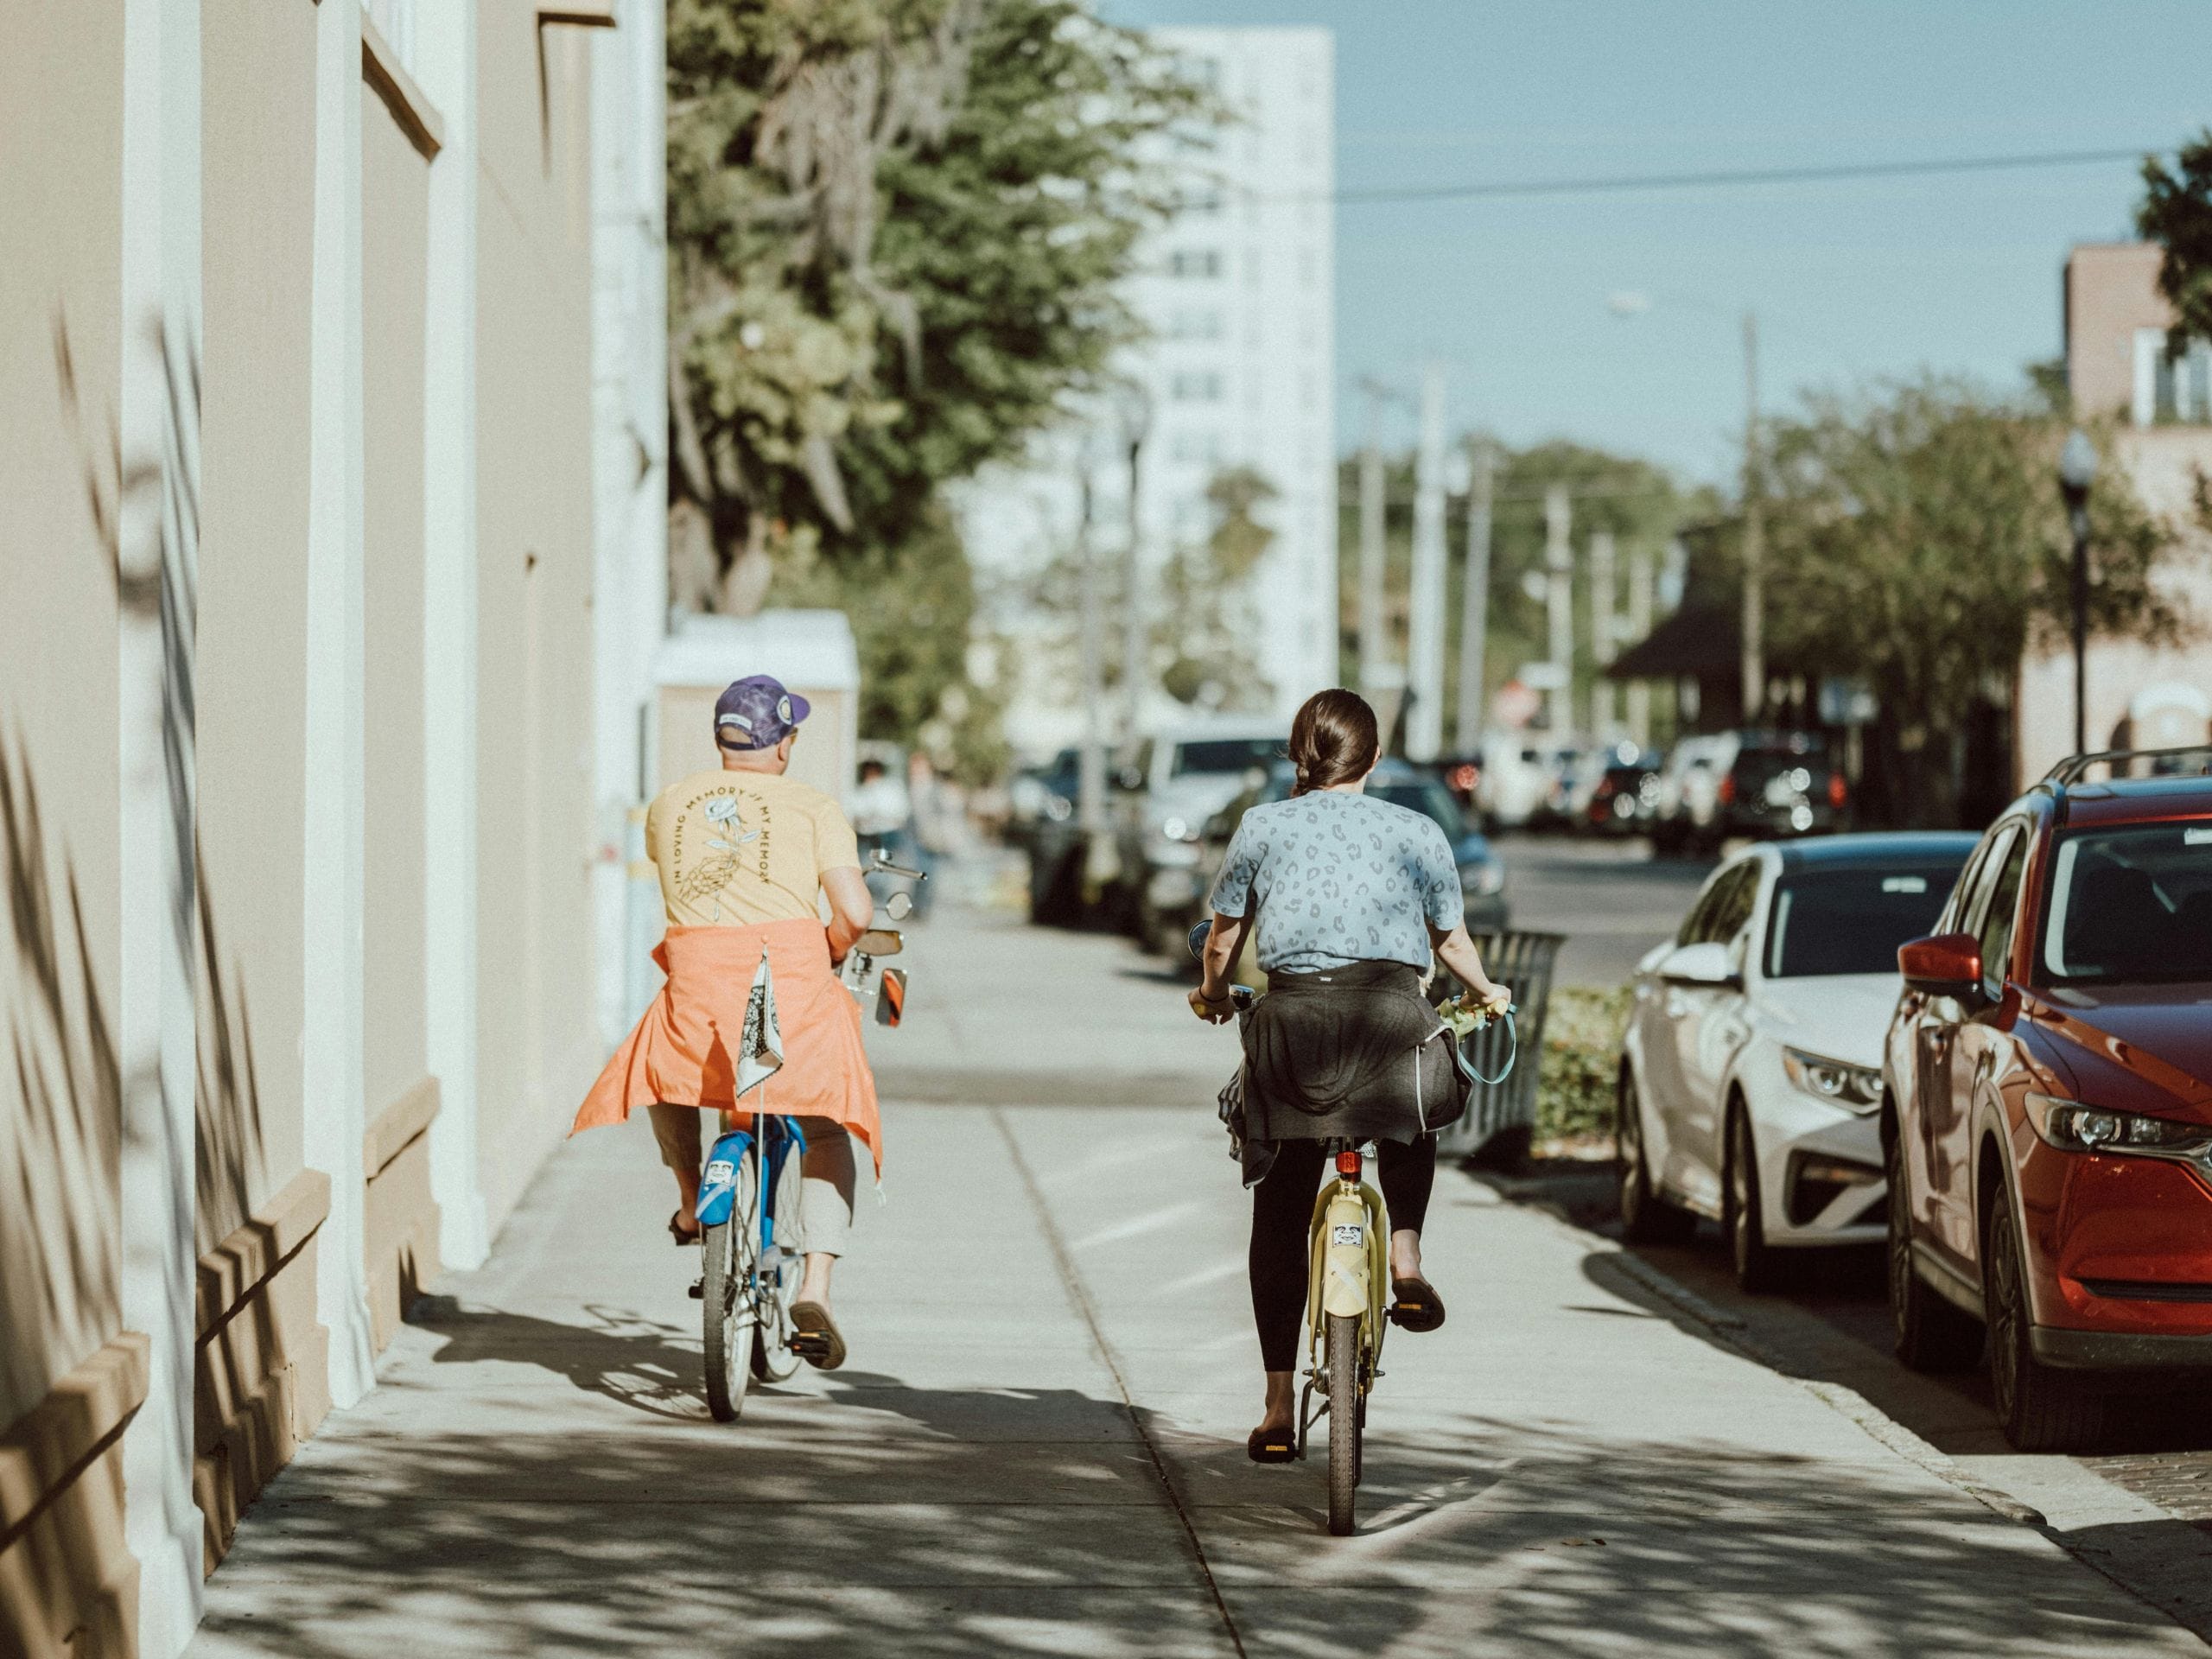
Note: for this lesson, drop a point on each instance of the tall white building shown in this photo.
(1238, 291)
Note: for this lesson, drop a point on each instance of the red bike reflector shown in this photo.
(1836, 789)
(1728, 790)
(1348, 1165)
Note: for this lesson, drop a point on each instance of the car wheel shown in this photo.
(1930, 1334)
(1646, 1218)
(2040, 1409)
(1757, 1265)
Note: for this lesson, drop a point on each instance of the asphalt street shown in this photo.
(1038, 1445)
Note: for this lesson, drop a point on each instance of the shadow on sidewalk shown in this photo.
(1503, 1537)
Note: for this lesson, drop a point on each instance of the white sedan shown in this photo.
(1751, 1080)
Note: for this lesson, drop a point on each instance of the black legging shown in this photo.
(1282, 1211)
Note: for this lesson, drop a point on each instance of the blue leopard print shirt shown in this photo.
(1339, 878)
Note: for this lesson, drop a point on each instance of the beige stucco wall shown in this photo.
(60, 219)
(63, 1575)
(395, 236)
(2112, 289)
(536, 1041)
(259, 226)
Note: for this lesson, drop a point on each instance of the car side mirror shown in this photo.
(1708, 962)
(1945, 965)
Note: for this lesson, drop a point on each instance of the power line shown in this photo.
(1731, 178)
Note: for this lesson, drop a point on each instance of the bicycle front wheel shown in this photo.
(1341, 1355)
(733, 1248)
(772, 1358)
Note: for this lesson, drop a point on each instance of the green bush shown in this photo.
(1582, 1047)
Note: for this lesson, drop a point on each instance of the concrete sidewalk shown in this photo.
(1038, 1448)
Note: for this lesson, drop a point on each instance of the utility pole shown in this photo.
(1474, 599)
(1604, 635)
(1559, 604)
(1091, 771)
(1641, 603)
(1374, 648)
(1754, 666)
(1136, 653)
(1425, 721)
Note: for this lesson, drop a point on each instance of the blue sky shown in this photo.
(1853, 281)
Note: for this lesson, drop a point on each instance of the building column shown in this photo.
(630, 458)
(157, 584)
(445, 57)
(331, 905)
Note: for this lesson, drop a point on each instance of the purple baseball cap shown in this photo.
(757, 713)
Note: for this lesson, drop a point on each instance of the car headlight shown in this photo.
(1178, 830)
(1855, 1088)
(2072, 1127)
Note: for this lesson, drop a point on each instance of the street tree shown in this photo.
(1207, 629)
(1916, 540)
(896, 228)
(2175, 213)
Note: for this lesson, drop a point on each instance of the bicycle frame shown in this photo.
(779, 1137)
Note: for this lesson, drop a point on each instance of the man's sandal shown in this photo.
(1272, 1445)
(814, 1338)
(1414, 1305)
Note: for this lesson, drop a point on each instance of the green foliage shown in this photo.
(1917, 538)
(1583, 1030)
(1640, 502)
(895, 227)
(913, 612)
(1204, 637)
(2175, 213)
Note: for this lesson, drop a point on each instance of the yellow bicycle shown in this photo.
(1346, 1308)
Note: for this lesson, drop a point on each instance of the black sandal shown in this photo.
(814, 1338)
(1272, 1445)
(1414, 1305)
(684, 1240)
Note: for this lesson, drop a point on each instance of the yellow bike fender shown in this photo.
(1346, 1280)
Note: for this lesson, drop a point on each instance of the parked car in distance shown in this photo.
(1750, 1076)
(1170, 784)
(1626, 793)
(2046, 1113)
(1482, 871)
(1761, 785)
(1517, 777)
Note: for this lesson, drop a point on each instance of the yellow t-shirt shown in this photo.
(736, 848)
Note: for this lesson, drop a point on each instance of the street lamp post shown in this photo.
(1136, 424)
(2077, 471)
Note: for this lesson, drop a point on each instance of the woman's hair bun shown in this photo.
(1333, 740)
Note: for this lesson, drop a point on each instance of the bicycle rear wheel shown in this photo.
(772, 1358)
(733, 1248)
(1341, 1355)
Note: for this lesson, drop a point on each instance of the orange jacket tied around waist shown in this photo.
(684, 1051)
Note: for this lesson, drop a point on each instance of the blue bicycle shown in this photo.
(749, 1213)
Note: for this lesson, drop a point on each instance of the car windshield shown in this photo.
(1852, 921)
(1216, 754)
(2132, 903)
(1430, 799)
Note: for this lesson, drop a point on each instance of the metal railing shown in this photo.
(1523, 961)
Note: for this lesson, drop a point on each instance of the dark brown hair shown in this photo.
(1333, 740)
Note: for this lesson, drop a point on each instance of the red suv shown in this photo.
(2047, 1102)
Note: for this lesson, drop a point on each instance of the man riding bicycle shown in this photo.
(1351, 898)
(754, 1017)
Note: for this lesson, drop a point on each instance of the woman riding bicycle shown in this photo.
(1351, 898)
